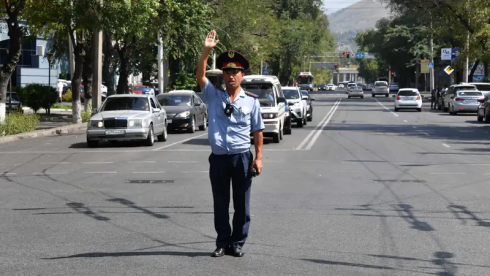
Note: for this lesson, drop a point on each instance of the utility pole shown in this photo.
(431, 70)
(261, 67)
(97, 84)
(160, 64)
(467, 46)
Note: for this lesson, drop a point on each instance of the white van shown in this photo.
(272, 103)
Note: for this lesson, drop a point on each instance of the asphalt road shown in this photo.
(360, 190)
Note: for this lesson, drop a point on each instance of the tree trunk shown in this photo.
(15, 33)
(88, 71)
(486, 65)
(124, 55)
(77, 77)
(108, 64)
(470, 77)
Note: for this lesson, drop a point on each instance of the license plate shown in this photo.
(169, 121)
(114, 132)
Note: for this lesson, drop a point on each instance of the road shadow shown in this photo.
(460, 211)
(107, 144)
(405, 212)
(82, 209)
(133, 205)
(132, 254)
(197, 142)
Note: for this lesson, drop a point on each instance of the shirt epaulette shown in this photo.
(251, 94)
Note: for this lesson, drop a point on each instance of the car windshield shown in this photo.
(483, 87)
(264, 91)
(352, 85)
(381, 84)
(408, 93)
(304, 93)
(126, 103)
(458, 88)
(291, 94)
(470, 93)
(174, 100)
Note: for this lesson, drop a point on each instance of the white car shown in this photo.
(272, 103)
(408, 98)
(297, 104)
(354, 90)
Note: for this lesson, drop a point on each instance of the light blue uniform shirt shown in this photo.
(230, 135)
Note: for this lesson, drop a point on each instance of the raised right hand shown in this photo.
(210, 41)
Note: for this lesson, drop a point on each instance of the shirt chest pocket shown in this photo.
(242, 115)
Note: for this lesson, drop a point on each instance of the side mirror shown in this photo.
(156, 110)
(305, 98)
(281, 100)
(197, 104)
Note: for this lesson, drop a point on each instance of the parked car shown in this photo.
(465, 101)
(309, 106)
(185, 110)
(128, 117)
(408, 98)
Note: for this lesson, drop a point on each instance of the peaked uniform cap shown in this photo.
(232, 60)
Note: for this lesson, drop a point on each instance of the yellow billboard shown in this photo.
(424, 66)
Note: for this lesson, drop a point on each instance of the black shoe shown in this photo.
(237, 252)
(219, 252)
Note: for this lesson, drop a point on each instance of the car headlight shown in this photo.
(269, 115)
(135, 123)
(96, 123)
(183, 114)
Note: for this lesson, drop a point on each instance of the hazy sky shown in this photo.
(334, 5)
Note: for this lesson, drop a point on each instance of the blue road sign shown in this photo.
(360, 55)
(265, 71)
(455, 53)
(430, 65)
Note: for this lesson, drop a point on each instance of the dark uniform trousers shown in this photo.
(223, 168)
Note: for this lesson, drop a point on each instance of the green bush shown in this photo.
(17, 122)
(86, 116)
(37, 96)
(67, 96)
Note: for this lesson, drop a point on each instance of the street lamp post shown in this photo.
(50, 59)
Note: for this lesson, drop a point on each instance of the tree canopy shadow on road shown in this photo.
(108, 144)
(197, 142)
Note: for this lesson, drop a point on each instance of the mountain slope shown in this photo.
(359, 16)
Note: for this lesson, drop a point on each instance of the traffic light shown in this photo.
(347, 54)
(336, 66)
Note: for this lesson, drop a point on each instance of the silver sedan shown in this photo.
(128, 117)
(466, 101)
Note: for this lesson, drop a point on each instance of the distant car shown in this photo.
(143, 90)
(322, 87)
(331, 87)
(408, 98)
(354, 90)
(380, 88)
(484, 109)
(126, 117)
(185, 110)
(394, 86)
(309, 106)
(465, 101)
(296, 104)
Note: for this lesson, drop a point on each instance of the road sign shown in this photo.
(448, 70)
(446, 53)
(430, 65)
(360, 55)
(265, 71)
(424, 66)
(455, 53)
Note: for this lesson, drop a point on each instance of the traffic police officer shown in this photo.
(233, 115)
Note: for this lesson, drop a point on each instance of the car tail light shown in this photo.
(459, 99)
(397, 98)
(480, 99)
(418, 98)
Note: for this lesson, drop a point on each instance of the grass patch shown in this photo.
(86, 116)
(61, 106)
(17, 122)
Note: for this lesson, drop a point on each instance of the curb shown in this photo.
(44, 133)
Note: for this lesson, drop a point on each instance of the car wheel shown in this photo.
(396, 109)
(92, 143)
(487, 118)
(204, 123)
(304, 120)
(372, 95)
(150, 140)
(163, 137)
(281, 133)
(310, 118)
(300, 123)
(275, 138)
(419, 109)
(348, 97)
(192, 127)
(287, 130)
(479, 118)
(362, 97)
(387, 95)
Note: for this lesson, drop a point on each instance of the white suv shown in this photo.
(272, 103)
(297, 105)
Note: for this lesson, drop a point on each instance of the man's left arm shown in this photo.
(257, 125)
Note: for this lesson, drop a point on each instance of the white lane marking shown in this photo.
(387, 108)
(425, 133)
(183, 161)
(55, 163)
(98, 162)
(142, 161)
(317, 127)
(414, 126)
(100, 172)
(405, 121)
(447, 173)
(180, 142)
(446, 145)
(194, 171)
(318, 131)
(150, 172)
(8, 173)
